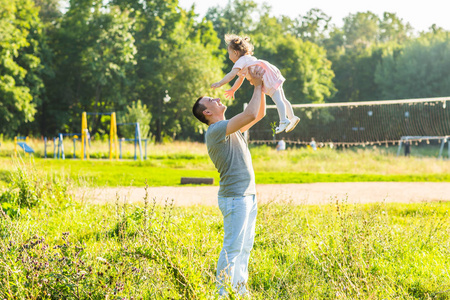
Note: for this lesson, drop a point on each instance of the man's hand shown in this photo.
(215, 85)
(256, 74)
(229, 94)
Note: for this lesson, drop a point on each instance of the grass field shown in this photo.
(166, 164)
(53, 246)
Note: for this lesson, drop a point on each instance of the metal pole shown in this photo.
(54, 147)
(441, 150)
(63, 156)
(159, 138)
(138, 133)
(45, 147)
(120, 148)
(59, 148)
(448, 142)
(400, 146)
(135, 139)
(145, 148)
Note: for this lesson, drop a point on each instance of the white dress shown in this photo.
(272, 78)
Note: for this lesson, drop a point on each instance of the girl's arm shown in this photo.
(237, 84)
(226, 79)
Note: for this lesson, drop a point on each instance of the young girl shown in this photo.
(240, 53)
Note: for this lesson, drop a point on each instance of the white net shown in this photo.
(360, 123)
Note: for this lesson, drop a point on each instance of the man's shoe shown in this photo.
(283, 125)
(294, 122)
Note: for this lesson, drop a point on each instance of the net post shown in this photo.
(448, 143)
(399, 146)
(441, 150)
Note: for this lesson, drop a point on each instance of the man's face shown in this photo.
(213, 106)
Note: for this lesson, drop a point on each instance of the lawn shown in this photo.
(166, 164)
(54, 246)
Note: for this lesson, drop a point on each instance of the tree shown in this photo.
(393, 29)
(361, 29)
(305, 66)
(187, 79)
(66, 92)
(358, 48)
(108, 61)
(313, 26)
(135, 113)
(166, 37)
(49, 10)
(93, 62)
(20, 81)
(421, 69)
(355, 71)
(236, 17)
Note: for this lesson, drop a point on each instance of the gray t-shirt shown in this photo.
(232, 159)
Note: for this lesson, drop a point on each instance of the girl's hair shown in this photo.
(240, 44)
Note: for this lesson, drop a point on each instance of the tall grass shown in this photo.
(369, 160)
(65, 249)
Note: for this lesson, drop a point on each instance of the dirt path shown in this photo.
(310, 193)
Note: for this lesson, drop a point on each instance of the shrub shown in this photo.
(30, 188)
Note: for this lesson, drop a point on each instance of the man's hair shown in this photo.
(240, 44)
(198, 109)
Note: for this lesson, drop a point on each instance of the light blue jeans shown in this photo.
(239, 219)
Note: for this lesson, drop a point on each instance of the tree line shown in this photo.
(150, 60)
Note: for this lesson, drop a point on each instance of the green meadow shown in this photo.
(167, 163)
(54, 246)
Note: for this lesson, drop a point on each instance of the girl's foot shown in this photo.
(294, 122)
(282, 126)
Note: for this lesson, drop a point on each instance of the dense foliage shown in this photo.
(101, 56)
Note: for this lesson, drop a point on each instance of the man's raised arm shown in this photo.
(261, 114)
(252, 111)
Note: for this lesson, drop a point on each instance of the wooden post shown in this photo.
(113, 137)
(84, 138)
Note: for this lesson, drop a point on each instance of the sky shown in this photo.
(420, 14)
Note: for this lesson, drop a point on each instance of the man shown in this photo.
(313, 144)
(281, 146)
(229, 152)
